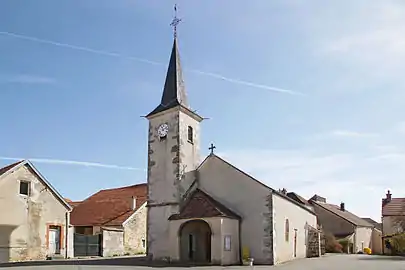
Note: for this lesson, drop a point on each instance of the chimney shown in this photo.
(342, 206)
(133, 203)
(388, 198)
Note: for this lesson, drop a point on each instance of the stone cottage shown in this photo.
(343, 224)
(393, 218)
(33, 215)
(110, 222)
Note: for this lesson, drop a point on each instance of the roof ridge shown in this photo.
(124, 187)
(8, 167)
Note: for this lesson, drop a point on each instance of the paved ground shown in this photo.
(330, 262)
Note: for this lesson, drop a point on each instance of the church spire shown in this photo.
(174, 92)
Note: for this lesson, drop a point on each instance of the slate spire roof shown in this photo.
(174, 92)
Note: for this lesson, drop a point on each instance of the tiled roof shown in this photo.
(352, 218)
(202, 205)
(109, 206)
(72, 203)
(8, 167)
(375, 223)
(298, 198)
(394, 207)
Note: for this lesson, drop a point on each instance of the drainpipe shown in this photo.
(240, 242)
(66, 233)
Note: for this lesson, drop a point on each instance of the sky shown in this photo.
(303, 95)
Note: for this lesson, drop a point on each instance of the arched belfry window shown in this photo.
(190, 134)
(287, 230)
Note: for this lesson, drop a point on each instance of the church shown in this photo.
(207, 211)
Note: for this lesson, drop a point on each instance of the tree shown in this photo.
(331, 244)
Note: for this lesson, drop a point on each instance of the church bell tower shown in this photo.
(173, 153)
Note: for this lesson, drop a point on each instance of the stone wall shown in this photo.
(113, 242)
(135, 232)
(313, 242)
(25, 220)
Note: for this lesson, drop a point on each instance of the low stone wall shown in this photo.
(313, 242)
(113, 242)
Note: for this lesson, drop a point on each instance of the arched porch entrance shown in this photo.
(195, 241)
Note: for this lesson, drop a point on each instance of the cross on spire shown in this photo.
(212, 147)
(175, 21)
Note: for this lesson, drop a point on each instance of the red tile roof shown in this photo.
(201, 205)
(72, 203)
(109, 206)
(393, 207)
(9, 167)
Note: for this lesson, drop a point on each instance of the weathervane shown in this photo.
(175, 21)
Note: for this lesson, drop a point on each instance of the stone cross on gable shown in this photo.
(212, 147)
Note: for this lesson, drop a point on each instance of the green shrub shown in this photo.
(345, 245)
(398, 244)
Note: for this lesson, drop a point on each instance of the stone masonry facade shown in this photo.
(135, 233)
(313, 242)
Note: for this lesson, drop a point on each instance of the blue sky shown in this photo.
(75, 79)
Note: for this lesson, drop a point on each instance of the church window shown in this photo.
(287, 230)
(227, 243)
(143, 243)
(190, 134)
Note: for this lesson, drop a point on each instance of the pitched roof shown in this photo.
(375, 223)
(109, 206)
(352, 218)
(202, 205)
(72, 203)
(44, 181)
(298, 198)
(394, 207)
(257, 181)
(9, 167)
(174, 92)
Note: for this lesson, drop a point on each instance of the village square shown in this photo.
(192, 210)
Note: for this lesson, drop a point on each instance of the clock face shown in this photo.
(163, 129)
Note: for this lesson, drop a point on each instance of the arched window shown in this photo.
(287, 230)
(190, 134)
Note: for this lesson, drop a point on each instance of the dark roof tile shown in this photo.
(202, 205)
(352, 218)
(9, 167)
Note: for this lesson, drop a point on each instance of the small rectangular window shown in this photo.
(190, 134)
(143, 243)
(227, 243)
(24, 188)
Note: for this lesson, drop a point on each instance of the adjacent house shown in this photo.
(33, 215)
(393, 218)
(376, 236)
(343, 224)
(299, 199)
(110, 222)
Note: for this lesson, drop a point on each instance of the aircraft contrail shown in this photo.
(73, 162)
(114, 54)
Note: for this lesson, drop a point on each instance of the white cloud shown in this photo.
(357, 180)
(35, 79)
(76, 163)
(27, 79)
(351, 134)
(368, 41)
